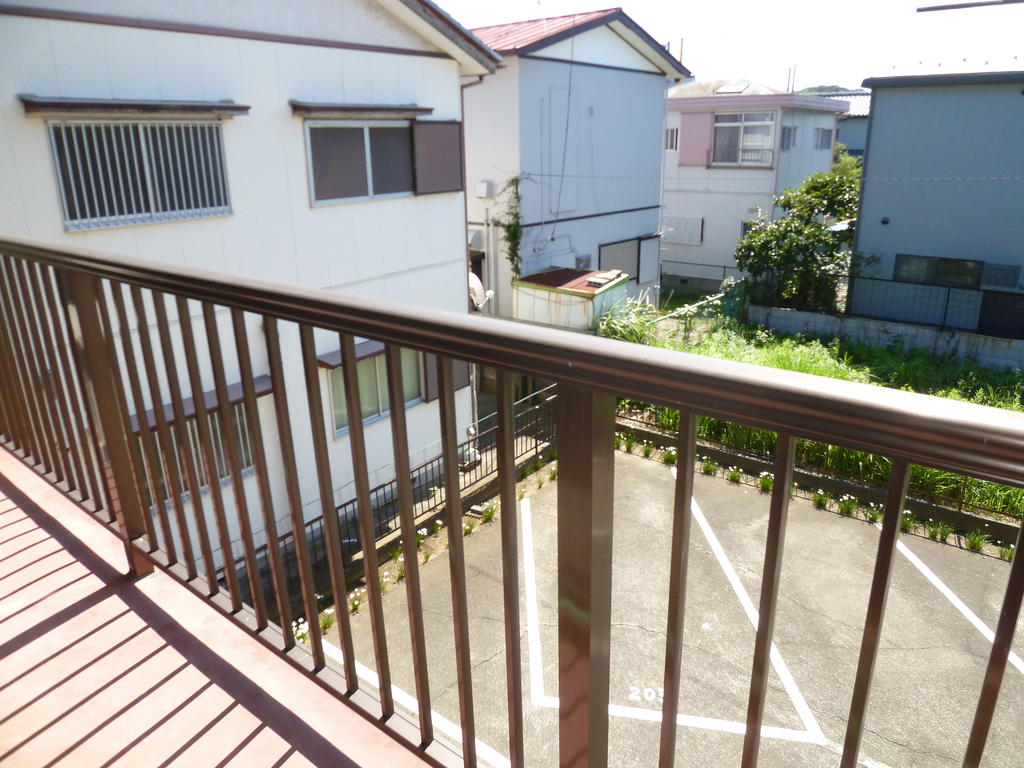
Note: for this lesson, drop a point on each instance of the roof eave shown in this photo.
(437, 27)
(646, 45)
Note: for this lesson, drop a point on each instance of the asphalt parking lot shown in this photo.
(927, 678)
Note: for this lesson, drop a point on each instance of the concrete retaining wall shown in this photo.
(988, 351)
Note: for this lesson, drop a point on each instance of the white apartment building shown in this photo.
(576, 113)
(730, 148)
(311, 143)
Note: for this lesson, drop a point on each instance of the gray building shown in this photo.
(940, 228)
(852, 128)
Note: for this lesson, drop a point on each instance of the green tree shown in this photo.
(797, 261)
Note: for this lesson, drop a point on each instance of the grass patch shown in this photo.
(976, 540)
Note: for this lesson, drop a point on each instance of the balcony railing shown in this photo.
(86, 340)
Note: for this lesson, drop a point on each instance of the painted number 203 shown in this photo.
(636, 693)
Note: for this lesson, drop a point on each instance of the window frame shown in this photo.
(366, 125)
(742, 123)
(383, 407)
(790, 132)
(932, 268)
(821, 134)
(671, 139)
(152, 192)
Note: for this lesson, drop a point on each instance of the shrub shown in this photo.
(976, 540)
(709, 466)
(846, 505)
(669, 456)
(907, 521)
(765, 481)
(733, 475)
(821, 498)
(489, 512)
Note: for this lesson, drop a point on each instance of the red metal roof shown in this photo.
(519, 34)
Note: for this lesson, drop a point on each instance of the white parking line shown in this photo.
(407, 701)
(956, 602)
(811, 734)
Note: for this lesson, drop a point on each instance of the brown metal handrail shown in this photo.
(64, 406)
(956, 436)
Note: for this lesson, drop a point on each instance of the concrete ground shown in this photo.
(927, 678)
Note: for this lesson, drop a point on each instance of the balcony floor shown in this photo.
(99, 670)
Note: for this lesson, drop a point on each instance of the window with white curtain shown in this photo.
(744, 139)
(373, 387)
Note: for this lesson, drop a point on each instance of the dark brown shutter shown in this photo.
(437, 152)
(460, 376)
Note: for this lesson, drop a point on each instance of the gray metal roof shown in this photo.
(968, 78)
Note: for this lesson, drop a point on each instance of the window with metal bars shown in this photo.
(113, 173)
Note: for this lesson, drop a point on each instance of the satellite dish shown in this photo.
(477, 294)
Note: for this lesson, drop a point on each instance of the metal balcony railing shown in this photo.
(73, 364)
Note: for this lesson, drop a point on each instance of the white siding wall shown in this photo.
(804, 158)
(409, 249)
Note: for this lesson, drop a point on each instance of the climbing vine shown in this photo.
(511, 229)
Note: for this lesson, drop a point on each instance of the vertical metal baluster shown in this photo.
(18, 375)
(148, 465)
(332, 535)
(37, 349)
(202, 418)
(80, 364)
(54, 381)
(1001, 644)
(234, 463)
(62, 340)
(403, 481)
(89, 324)
(586, 471)
(510, 566)
(895, 496)
(259, 458)
(456, 557)
(291, 478)
(172, 471)
(130, 162)
(360, 471)
(28, 371)
(679, 559)
(184, 443)
(785, 447)
(34, 447)
(20, 431)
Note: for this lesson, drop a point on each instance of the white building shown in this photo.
(309, 143)
(730, 148)
(576, 113)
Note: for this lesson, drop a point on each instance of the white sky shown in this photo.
(830, 43)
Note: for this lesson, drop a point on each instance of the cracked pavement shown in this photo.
(927, 676)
